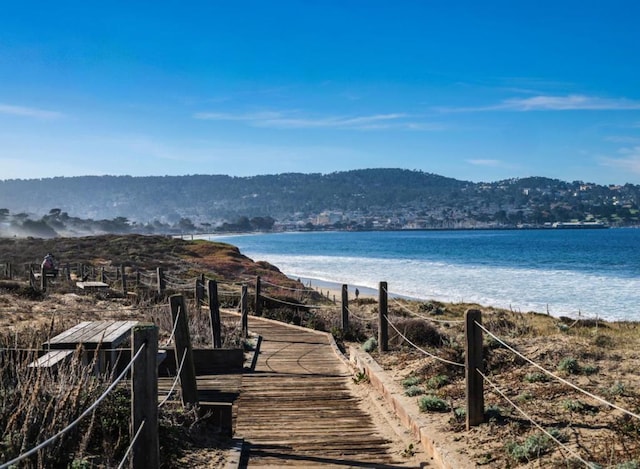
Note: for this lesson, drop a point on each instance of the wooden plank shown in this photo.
(51, 359)
(92, 285)
(108, 334)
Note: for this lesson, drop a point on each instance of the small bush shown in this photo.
(411, 381)
(536, 377)
(590, 369)
(534, 446)
(524, 397)
(412, 391)
(432, 404)
(438, 381)
(569, 365)
(370, 345)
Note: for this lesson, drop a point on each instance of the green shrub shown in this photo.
(411, 381)
(432, 404)
(590, 369)
(569, 365)
(438, 381)
(370, 345)
(536, 377)
(413, 391)
(534, 446)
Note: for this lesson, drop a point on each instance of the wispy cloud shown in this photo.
(482, 162)
(295, 120)
(554, 103)
(24, 111)
(628, 161)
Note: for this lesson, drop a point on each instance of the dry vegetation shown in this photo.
(597, 356)
(37, 403)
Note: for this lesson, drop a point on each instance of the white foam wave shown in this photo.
(559, 292)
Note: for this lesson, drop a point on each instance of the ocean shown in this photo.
(585, 273)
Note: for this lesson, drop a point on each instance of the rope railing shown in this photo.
(351, 313)
(413, 313)
(133, 442)
(175, 381)
(435, 357)
(69, 427)
(555, 376)
(299, 305)
(305, 290)
(528, 417)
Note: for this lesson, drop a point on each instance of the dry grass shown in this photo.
(599, 357)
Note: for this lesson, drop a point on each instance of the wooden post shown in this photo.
(9, 270)
(161, 282)
(214, 314)
(183, 345)
(473, 362)
(103, 275)
(137, 279)
(199, 292)
(80, 272)
(43, 280)
(383, 314)
(244, 312)
(32, 278)
(345, 308)
(68, 272)
(123, 276)
(258, 307)
(144, 397)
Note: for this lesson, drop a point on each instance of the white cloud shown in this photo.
(485, 162)
(629, 161)
(294, 120)
(23, 111)
(555, 103)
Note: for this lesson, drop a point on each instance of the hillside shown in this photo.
(359, 199)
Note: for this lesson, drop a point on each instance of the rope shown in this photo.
(133, 442)
(413, 313)
(562, 380)
(351, 313)
(294, 304)
(443, 360)
(287, 288)
(77, 420)
(562, 445)
(175, 381)
(175, 325)
(444, 321)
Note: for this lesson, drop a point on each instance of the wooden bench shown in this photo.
(91, 286)
(52, 359)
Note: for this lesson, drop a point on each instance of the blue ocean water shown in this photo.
(591, 273)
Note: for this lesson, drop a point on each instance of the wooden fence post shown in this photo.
(123, 276)
(183, 345)
(103, 275)
(473, 362)
(383, 314)
(43, 280)
(161, 282)
(244, 312)
(144, 397)
(214, 314)
(199, 293)
(345, 308)
(258, 307)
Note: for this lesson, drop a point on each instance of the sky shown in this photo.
(477, 91)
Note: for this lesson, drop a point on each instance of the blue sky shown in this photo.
(479, 91)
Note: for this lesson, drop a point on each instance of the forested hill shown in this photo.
(359, 199)
(217, 197)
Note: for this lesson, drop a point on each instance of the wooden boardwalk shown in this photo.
(297, 409)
